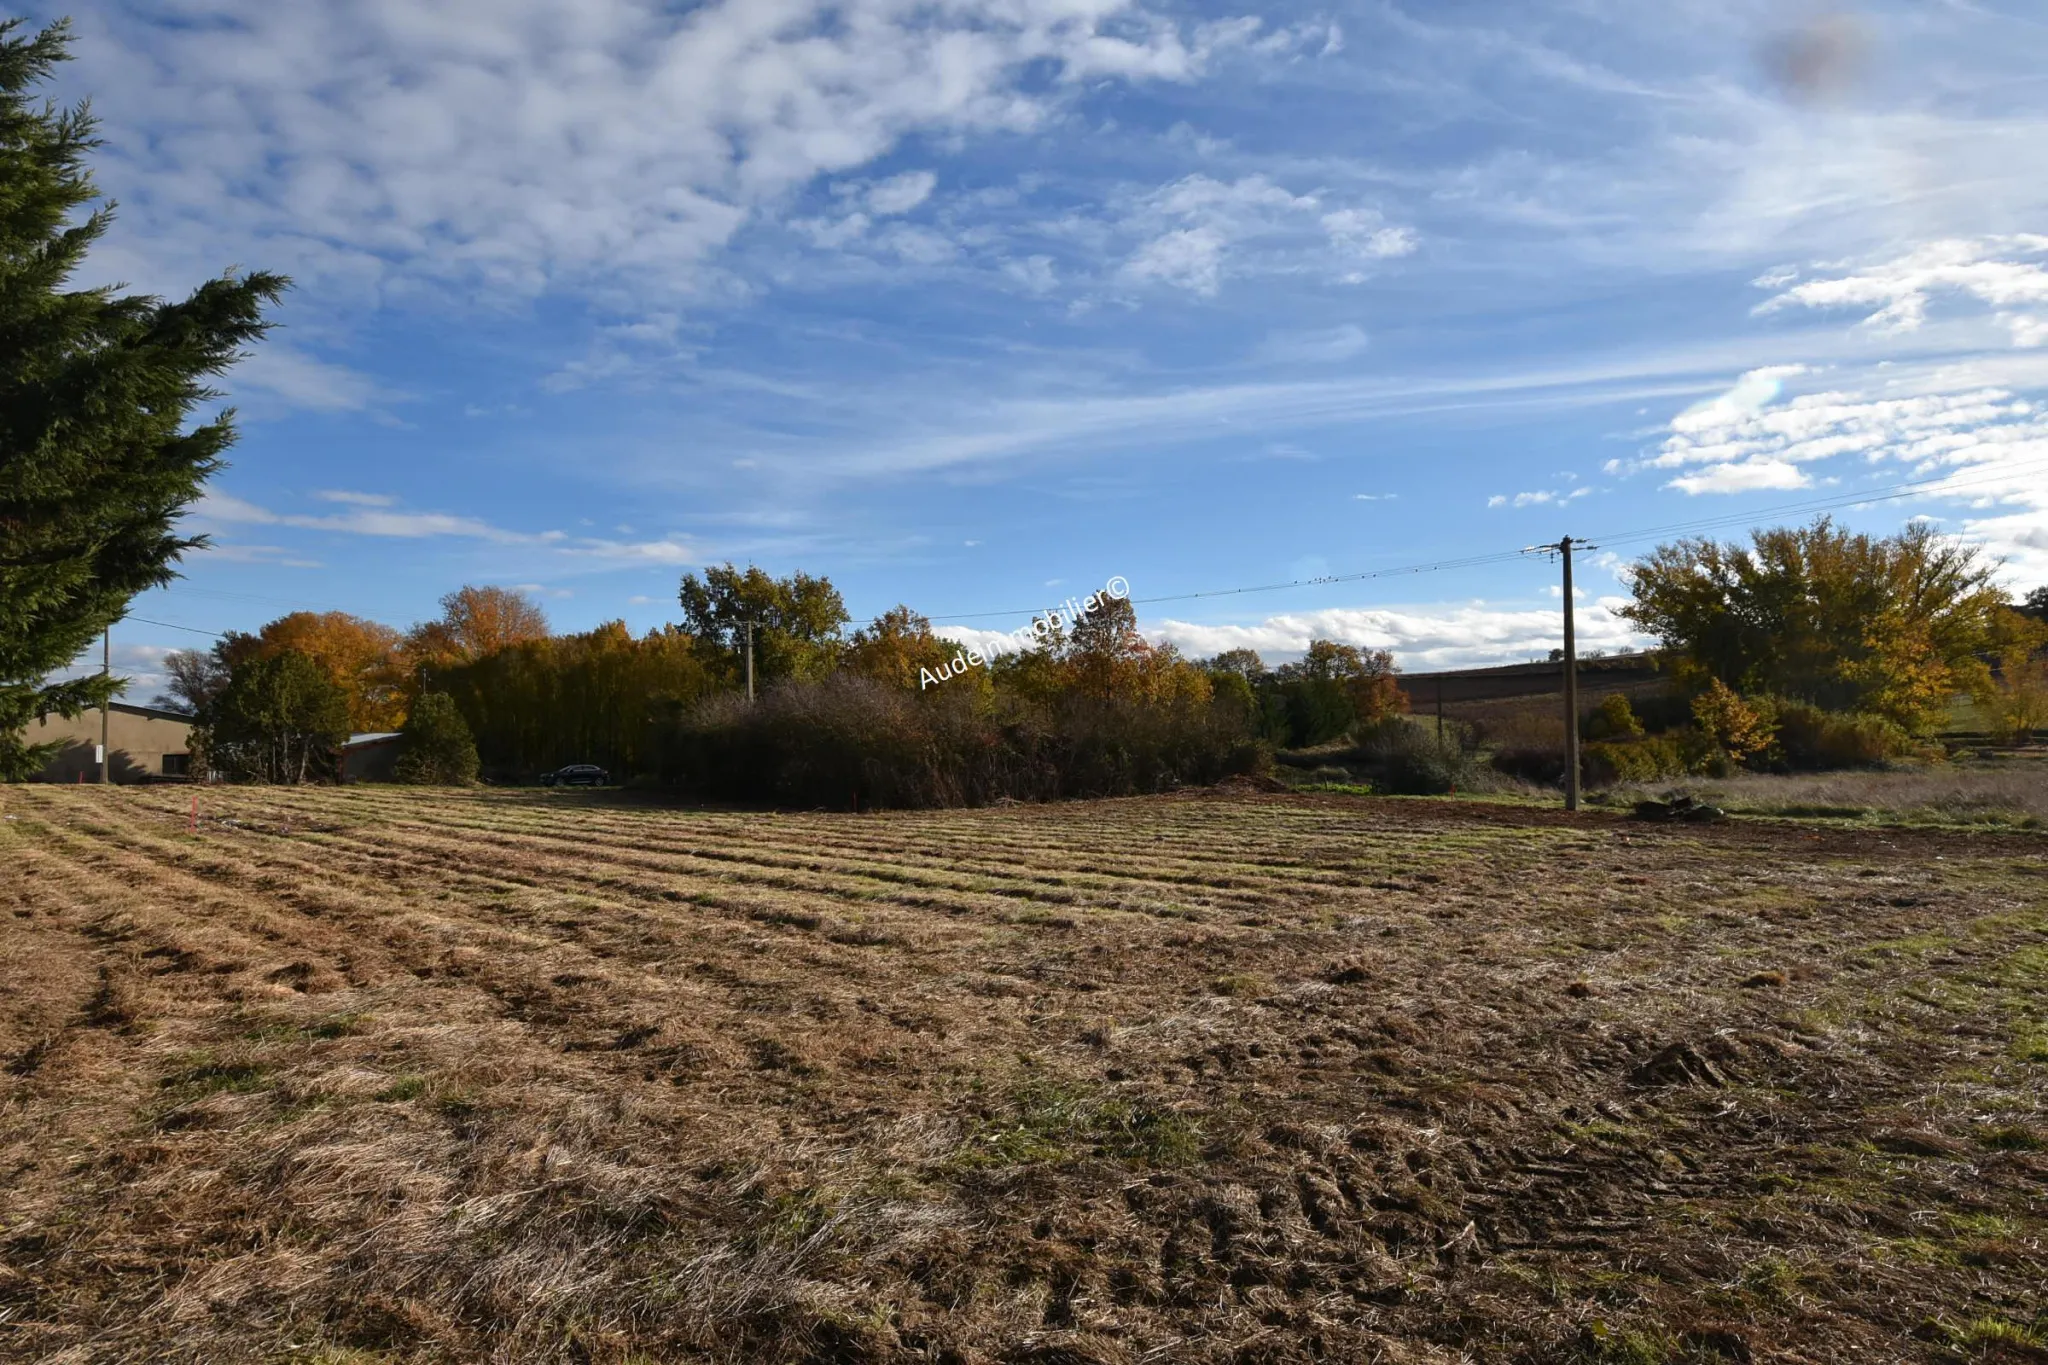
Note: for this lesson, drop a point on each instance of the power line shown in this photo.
(1322, 580)
(168, 625)
(1882, 493)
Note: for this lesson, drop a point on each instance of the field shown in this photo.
(373, 1075)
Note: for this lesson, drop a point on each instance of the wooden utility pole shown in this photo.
(1571, 685)
(106, 704)
(750, 661)
(1563, 550)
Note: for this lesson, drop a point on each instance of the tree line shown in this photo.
(1806, 645)
(1093, 707)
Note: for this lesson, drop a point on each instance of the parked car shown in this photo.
(576, 775)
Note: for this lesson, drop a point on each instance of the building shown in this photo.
(371, 757)
(146, 744)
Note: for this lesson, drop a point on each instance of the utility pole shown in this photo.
(1571, 685)
(106, 705)
(750, 661)
(1563, 550)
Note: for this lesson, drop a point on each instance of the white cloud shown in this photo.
(1538, 497)
(666, 551)
(292, 378)
(1748, 476)
(217, 509)
(1364, 232)
(355, 499)
(919, 245)
(2004, 272)
(901, 193)
(1197, 229)
(1750, 395)
(1035, 273)
(520, 147)
(142, 664)
(1316, 346)
(1191, 258)
(1981, 444)
(225, 508)
(1421, 637)
(832, 233)
(236, 552)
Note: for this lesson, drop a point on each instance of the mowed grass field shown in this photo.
(376, 1075)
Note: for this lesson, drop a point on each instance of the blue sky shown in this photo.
(973, 304)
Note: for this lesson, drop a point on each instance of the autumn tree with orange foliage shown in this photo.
(474, 624)
(361, 657)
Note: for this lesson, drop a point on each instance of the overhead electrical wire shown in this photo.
(172, 625)
(1883, 493)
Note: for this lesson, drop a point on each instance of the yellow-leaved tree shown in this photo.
(2017, 695)
(1891, 625)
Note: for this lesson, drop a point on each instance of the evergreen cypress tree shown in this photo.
(95, 459)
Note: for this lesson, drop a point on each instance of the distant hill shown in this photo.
(1631, 673)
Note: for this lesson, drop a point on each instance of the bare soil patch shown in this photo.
(386, 1076)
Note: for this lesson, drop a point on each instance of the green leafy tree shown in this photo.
(439, 750)
(1891, 626)
(1246, 663)
(96, 459)
(797, 622)
(279, 719)
(1334, 687)
(597, 697)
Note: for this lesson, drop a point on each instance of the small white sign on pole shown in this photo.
(99, 753)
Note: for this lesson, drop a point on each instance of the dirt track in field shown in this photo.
(379, 1075)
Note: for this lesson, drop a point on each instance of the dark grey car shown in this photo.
(576, 775)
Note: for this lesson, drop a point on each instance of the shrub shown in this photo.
(1614, 718)
(1740, 728)
(1408, 761)
(1811, 739)
(850, 742)
(1527, 742)
(1639, 760)
(438, 748)
(1668, 708)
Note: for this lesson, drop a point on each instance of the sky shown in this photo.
(972, 304)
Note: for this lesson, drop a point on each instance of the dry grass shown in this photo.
(2011, 793)
(385, 1076)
